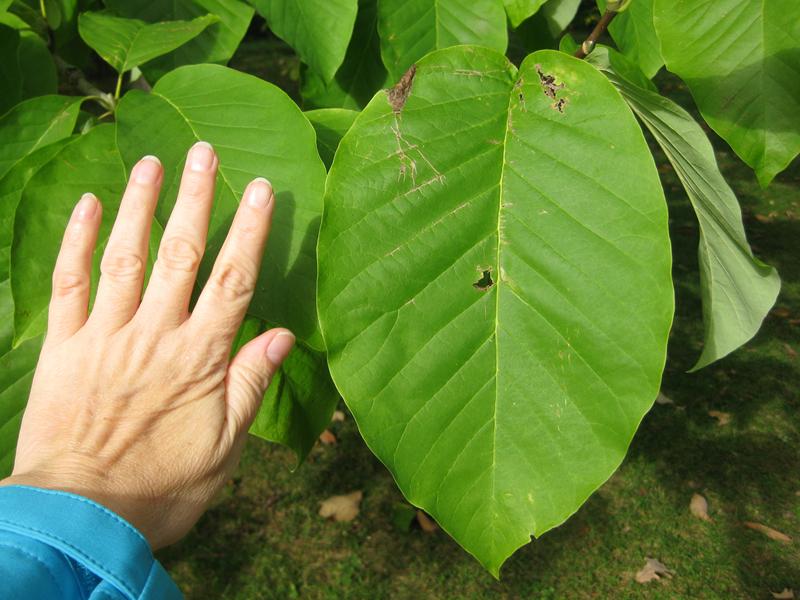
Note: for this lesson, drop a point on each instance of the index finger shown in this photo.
(223, 302)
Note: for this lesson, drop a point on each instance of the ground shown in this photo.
(264, 539)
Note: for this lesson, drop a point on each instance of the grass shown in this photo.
(264, 538)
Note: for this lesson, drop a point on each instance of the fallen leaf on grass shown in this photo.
(327, 437)
(341, 508)
(653, 570)
(338, 415)
(427, 524)
(786, 594)
(771, 533)
(722, 418)
(662, 398)
(699, 507)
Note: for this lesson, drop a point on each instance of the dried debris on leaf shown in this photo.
(653, 570)
(698, 506)
(427, 524)
(341, 508)
(398, 94)
(771, 533)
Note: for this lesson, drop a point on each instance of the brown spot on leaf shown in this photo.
(398, 94)
(550, 89)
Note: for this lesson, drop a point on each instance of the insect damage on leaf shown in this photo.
(398, 94)
(485, 282)
(551, 89)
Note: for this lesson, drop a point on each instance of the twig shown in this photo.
(588, 45)
(74, 78)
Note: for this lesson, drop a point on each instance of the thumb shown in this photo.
(249, 375)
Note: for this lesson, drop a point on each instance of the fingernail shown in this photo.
(279, 347)
(147, 170)
(201, 157)
(259, 193)
(87, 207)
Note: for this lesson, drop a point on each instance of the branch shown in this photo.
(588, 45)
(74, 79)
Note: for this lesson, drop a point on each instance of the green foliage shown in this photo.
(409, 29)
(494, 266)
(319, 30)
(127, 43)
(473, 228)
(741, 60)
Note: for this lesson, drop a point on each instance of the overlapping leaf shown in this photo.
(330, 124)
(495, 305)
(737, 289)
(741, 61)
(361, 74)
(216, 44)
(27, 69)
(409, 29)
(519, 10)
(256, 130)
(127, 43)
(635, 35)
(318, 30)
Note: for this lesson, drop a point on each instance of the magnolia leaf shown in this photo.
(16, 374)
(83, 163)
(27, 69)
(127, 43)
(635, 35)
(362, 73)
(495, 306)
(741, 61)
(256, 130)
(35, 123)
(519, 10)
(737, 289)
(330, 124)
(409, 29)
(300, 400)
(318, 30)
(216, 44)
(558, 14)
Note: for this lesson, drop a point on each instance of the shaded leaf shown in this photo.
(362, 73)
(318, 30)
(27, 69)
(127, 43)
(403, 515)
(216, 44)
(737, 289)
(409, 29)
(341, 508)
(635, 35)
(257, 131)
(469, 228)
(519, 10)
(741, 61)
(330, 124)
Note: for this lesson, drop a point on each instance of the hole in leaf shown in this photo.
(485, 282)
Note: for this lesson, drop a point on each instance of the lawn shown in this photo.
(264, 539)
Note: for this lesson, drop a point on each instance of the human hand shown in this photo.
(137, 405)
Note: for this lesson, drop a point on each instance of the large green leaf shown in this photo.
(362, 73)
(519, 10)
(741, 61)
(319, 30)
(127, 43)
(738, 290)
(16, 374)
(409, 29)
(300, 400)
(330, 124)
(635, 35)
(495, 290)
(26, 68)
(257, 131)
(84, 163)
(216, 44)
(558, 14)
(33, 124)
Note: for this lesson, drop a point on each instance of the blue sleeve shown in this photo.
(59, 545)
